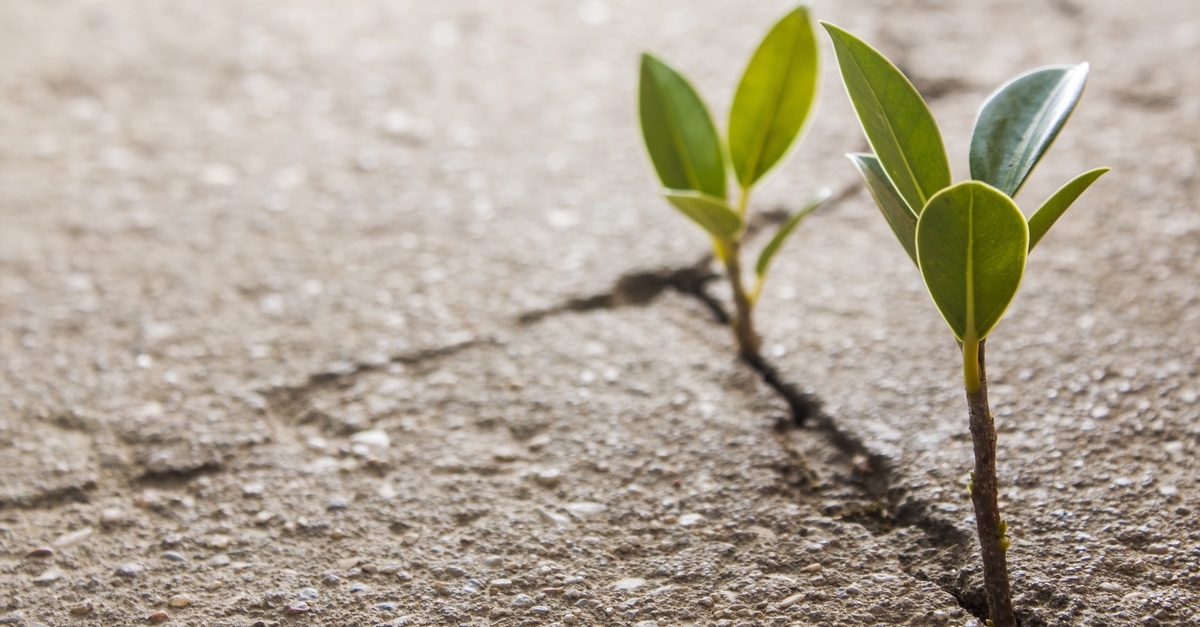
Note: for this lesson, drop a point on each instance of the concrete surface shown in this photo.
(263, 268)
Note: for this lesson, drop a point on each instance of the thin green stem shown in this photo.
(743, 321)
(971, 370)
(743, 201)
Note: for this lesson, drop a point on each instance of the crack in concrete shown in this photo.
(282, 397)
(871, 474)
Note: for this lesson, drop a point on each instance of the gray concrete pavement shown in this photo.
(236, 234)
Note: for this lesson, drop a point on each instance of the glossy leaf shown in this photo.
(775, 97)
(1020, 120)
(1058, 203)
(711, 213)
(773, 246)
(899, 215)
(897, 122)
(971, 244)
(678, 131)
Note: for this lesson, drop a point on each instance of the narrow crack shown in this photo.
(285, 396)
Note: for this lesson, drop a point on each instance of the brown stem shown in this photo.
(985, 495)
(743, 322)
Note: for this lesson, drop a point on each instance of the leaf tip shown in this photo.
(830, 27)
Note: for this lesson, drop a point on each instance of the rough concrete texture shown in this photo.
(311, 313)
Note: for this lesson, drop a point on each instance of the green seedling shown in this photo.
(969, 240)
(773, 103)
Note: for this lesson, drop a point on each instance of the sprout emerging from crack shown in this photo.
(970, 240)
(773, 103)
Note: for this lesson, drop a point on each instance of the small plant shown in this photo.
(969, 240)
(773, 102)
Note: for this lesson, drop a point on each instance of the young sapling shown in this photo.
(970, 240)
(774, 101)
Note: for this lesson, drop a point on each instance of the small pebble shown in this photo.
(330, 580)
(790, 601)
(178, 600)
(299, 607)
(1109, 586)
(377, 438)
(336, 534)
(80, 609)
(522, 600)
(214, 586)
(687, 520)
(263, 517)
(540, 609)
(112, 516)
(552, 518)
(160, 617)
(1158, 549)
(410, 539)
(569, 619)
(174, 557)
(387, 607)
(811, 568)
(128, 570)
(12, 618)
(307, 594)
(473, 586)
(73, 538)
(51, 574)
(502, 583)
(585, 509)
(883, 578)
(40, 552)
(853, 589)
(218, 541)
(336, 503)
(629, 583)
(252, 489)
(549, 477)
(358, 587)
(370, 569)
(220, 560)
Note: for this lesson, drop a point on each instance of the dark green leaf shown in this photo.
(712, 213)
(1020, 120)
(896, 120)
(679, 133)
(971, 244)
(899, 215)
(775, 97)
(772, 247)
(1058, 203)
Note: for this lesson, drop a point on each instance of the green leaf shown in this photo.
(773, 246)
(1020, 120)
(971, 244)
(775, 97)
(679, 133)
(1057, 204)
(897, 122)
(899, 215)
(711, 213)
